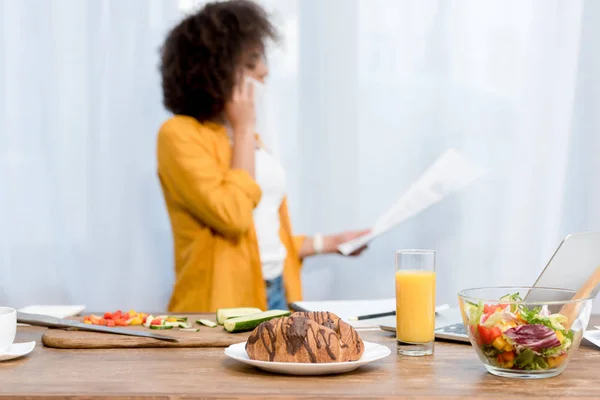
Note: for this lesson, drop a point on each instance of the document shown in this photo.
(448, 174)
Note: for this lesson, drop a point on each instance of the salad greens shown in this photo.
(512, 336)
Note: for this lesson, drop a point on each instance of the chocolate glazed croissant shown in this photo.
(303, 340)
(294, 340)
(354, 346)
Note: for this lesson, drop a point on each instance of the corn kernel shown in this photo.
(499, 343)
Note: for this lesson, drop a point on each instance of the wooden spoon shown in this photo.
(571, 310)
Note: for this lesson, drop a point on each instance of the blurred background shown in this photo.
(363, 95)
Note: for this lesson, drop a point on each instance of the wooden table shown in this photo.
(454, 372)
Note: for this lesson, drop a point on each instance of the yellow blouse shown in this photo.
(210, 205)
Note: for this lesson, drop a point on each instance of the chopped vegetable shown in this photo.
(226, 313)
(513, 336)
(536, 337)
(206, 322)
(249, 322)
(119, 318)
(161, 327)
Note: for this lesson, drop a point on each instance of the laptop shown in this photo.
(573, 262)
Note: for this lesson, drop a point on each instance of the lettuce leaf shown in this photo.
(474, 312)
(530, 360)
(554, 321)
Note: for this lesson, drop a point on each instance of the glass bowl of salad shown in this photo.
(524, 332)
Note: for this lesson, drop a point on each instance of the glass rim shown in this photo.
(415, 251)
(462, 294)
(7, 311)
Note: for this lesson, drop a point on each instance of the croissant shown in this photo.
(353, 344)
(305, 338)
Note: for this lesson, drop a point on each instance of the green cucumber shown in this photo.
(226, 313)
(190, 330)
(206, 322)
(249, 322)
(160, 327)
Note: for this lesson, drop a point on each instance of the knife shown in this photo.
(59, 323)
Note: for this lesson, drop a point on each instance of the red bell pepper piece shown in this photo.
(488, 335)
(155, 321)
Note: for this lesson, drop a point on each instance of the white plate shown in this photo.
(373, 352)
(54, 311)
(17, 350)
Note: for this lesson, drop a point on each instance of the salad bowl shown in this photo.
(524, 332)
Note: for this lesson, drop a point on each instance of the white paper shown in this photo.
(346, 309)
(448, 174)
(593, 337)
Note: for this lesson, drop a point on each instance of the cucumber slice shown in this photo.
(171, 324)
(206, 322)
(184, 325)
(160, 327)
(249, 322)
(178, 319)
(226, 313)
(148, 321)
(190, 330)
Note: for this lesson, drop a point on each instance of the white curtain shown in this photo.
(363, 95)
(81, 217)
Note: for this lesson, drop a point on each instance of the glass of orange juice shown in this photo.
(415, 302)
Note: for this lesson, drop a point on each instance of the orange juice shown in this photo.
(415, 306)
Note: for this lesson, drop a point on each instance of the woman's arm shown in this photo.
(223, 200)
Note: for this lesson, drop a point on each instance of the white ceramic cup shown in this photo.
(8, 327)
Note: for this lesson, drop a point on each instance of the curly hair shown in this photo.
(202, 54)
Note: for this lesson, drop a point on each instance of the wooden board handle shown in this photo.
(572, 309)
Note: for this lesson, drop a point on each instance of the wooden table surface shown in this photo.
(172, 373)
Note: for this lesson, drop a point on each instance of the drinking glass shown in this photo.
(415, 302)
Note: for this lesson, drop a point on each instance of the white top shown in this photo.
(270, 176)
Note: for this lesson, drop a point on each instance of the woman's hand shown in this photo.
(331, 243)
(241, 115)
(240, 110)
(340, 238)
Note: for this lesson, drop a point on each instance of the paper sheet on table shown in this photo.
(448, 174)
(354, 308)
(593, 336)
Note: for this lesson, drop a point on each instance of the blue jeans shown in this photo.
(276, 294)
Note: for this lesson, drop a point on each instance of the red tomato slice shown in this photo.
(121, 322)
(155, 321)
(495, 332)
(110, 322)
(125, 316)
(108, 315)
(475, 335)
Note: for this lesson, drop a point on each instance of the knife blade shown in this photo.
(59, 323)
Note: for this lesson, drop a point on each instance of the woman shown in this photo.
(224, 192)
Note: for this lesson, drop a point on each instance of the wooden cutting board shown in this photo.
(206, 337)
